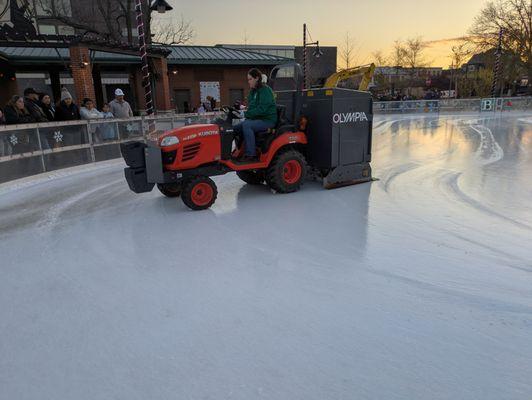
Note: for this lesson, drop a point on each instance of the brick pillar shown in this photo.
(139, 91)
(82, 72)
(162, 88)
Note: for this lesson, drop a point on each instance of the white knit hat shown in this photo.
(65, 94)
(119, 92)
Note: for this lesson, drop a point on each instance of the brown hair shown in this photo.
(12, 104)
(255, 73)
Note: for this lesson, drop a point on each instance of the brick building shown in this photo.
(187, 73)
(318, 68)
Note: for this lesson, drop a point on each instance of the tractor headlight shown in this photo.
(169, 141)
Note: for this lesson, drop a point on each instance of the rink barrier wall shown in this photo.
(32, 149)
(454, 105)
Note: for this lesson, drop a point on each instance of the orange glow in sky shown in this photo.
(374, 24)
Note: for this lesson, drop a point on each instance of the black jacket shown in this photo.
(12, 117)
(67, 113)
(35, 110)
(48, 110)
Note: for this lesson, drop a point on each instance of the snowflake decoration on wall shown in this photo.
(58, 136)
(13, 139)
(129, 127)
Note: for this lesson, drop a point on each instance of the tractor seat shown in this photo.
(281, 121)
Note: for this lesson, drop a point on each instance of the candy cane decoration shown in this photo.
(497, 66)
(145, 66)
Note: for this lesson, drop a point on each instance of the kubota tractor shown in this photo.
(325, 133)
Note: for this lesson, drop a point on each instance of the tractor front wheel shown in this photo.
(199, 193)
(169, 189)
(287, 172)
(251, 177)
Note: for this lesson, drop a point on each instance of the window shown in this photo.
(53, 7)
(47, 30)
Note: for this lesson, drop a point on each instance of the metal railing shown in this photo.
(31, 149)
(36, 148)
(454, 105)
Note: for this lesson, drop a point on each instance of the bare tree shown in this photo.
(459, 55)
(60, 10)
(127, 7)
(173, 32)
(379, 58)
(398, 57)
(347, 52)
(515, 17)
(413, 53)
(114, 19)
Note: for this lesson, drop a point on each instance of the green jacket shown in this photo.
(261, 105)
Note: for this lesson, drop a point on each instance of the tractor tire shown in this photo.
(251, 177)
(287, 172)
(169, 189)
(199, 193)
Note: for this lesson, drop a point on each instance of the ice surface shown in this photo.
(416, 286)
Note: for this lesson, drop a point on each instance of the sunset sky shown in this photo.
(374, 24)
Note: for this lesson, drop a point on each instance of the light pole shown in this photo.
(160, 6)
(317, 53)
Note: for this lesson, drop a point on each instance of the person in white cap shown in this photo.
(119, 107)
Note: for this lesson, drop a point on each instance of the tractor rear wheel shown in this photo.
(169, 189)
(199, 193)
(287, 172)
(251, 177)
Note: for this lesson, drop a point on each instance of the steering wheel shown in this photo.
(231, 110)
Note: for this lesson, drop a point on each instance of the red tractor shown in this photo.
(184, 159)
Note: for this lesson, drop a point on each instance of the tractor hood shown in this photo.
(191, 132)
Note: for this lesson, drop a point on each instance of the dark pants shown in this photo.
(249, 127)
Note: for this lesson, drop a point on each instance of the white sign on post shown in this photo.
(487, 105)
(211, 89)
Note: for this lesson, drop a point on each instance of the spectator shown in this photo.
(213, 103)
(108, 130)
(120, 107)
(207, 104)
(45, 102)
(17, 113)
(201, 109)
(106, 111)
(2, 118)
(88, 111)
(67, 110)
(31, 102)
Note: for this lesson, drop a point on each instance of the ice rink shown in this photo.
(416, 286)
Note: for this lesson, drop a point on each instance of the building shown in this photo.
(404, 74)
(320, 65)
(192, 72)
(198, 71)
(77, 47)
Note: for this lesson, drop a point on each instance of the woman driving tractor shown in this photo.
(261, 113)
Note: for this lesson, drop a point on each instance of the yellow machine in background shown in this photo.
(367, 72)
